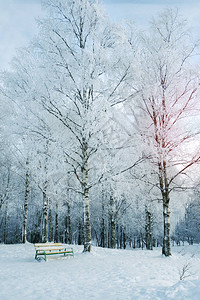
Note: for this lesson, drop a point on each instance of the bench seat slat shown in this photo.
(49, 253)
(55, 252)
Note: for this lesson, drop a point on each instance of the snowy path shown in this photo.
(104, 274)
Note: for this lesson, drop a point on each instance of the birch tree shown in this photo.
(168, 101)
(77, 51)
(69, 76)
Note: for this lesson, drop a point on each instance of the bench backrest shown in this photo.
(50, 246)
(46, 245)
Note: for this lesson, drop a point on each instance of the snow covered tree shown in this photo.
(79, 74)
(168, 90)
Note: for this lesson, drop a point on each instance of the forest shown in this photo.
(99, 128)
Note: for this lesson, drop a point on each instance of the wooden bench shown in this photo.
(46, 249)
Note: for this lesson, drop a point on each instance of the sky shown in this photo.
(18, 19)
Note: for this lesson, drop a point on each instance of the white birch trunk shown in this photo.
(45, 217)
(166, 249)
(87, 226)
(24, 237)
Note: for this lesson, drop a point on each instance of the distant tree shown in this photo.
(188, 228)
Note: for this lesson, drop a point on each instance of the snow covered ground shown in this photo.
(104, 274)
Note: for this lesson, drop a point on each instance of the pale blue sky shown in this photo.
(18, 26)
(151, 1)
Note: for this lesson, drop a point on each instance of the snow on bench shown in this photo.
(45, 249)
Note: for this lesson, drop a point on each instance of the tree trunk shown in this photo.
(166, 249)
(148, 231)
(103, 232)
(5, 224)
(69, 224)
(134, 243)
(45, 237)
(24, 237)
(138, 242)
(120, 237)
(112, 223)
(87, 226)
(68, 227)
(56, 224)
(80, 232)
(50, 225)
(45, 216)
(164, 187)
(124, 238)
(103, 226)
